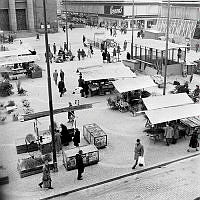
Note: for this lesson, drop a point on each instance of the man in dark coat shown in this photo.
(76, 138)
(79, 164)
(104, 56)
(194, 142)
(65, 136)
(54, 49)
(62, 75)
(61, 86)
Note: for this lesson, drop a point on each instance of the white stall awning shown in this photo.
(173, 113)
(130, 84)
(107, 71)
(157, 102)
(19, 59)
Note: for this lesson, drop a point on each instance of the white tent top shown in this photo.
(107, 71)
(157, 102)
(172, 113)
(19, 59)
(157, 44)
(14, 53)
(129, 84)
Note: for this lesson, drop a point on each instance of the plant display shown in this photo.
(5, 88)
(33, 162)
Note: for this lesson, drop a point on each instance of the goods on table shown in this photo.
(95, 135)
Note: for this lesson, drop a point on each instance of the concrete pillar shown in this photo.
(30, 15)
(12, 15)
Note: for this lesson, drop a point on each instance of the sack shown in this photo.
(141, 161)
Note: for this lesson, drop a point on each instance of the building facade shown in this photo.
(184, 19)
(19, 15)
(117, 12)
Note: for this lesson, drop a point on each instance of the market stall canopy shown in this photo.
(157, 44)
(130, 84)
(107, 71)
(165, 101)
(14, 53)
(18, 59)
(172, 113)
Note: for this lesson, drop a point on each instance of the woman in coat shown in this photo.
(61, 86)
(194, 142)
(76, 138)
(65, 136)
(46, 178)
(139, 151)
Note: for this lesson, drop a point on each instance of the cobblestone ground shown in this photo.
(122, 128)
(178, 181)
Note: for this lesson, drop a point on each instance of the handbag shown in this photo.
(141, 161)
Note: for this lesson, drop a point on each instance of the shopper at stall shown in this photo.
(61, 87)
(128, 56)
(176, 134)
(108, 57)
(71, 114)
(169, 134)
(76, 138)
(86, 89)
(46, 178)
(139, 151)
(194, 142)
(55, 76)
(58, 144)
(65, 136)
(62, 75)
(79, 164)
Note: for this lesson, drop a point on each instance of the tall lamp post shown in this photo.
(132, 29)
(66, 30)
(49, 88)
(166, 49)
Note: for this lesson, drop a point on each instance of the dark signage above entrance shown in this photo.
(114, 10)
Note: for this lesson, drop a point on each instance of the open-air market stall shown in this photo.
(99, 77)
(90, 156)
(131, 93)
(157, 102)
(95, 135)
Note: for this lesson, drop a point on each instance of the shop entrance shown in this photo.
(4, 22)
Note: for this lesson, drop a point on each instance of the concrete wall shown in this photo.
(4, 4)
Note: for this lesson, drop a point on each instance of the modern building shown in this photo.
(116, 12)
(19, 15)
(184, 19)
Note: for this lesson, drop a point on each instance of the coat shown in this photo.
(61, 86)
(194, 141)
(62, 75)
(76, 138)
(104, 55)
(139, 151)
(46, 178)
(169, 132)
(79, 163)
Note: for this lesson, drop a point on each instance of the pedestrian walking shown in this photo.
(46, 178)
(86, 89)
(193, 142)
(20, 42)
(191, 78)
(83, 54)
(89, 53)
(125, 45)
(83, 39)
(108, 57)
(79, 54)
(111, 31)
(61, 87)
(76, 138)
(58, 144)
(62, 74)
(128, 56)
(54, 49)
(91, 49)
(65, 46)
(197, 47)
(139, 151)
(114, 52)
(64, 29)
(79, 164)
(104, 56)
(55, 76)
(179, 54)
(169, 134)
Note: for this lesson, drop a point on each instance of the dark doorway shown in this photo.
(4, 22)
(21, 19)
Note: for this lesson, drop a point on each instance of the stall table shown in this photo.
(95, 135)
(90, 156)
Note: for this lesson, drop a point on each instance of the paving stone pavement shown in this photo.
(122, 129)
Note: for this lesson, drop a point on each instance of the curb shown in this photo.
(120, 177)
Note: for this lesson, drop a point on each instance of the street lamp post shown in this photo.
(49, 89)
(132, 29)
(66, 30)
(166, 49)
